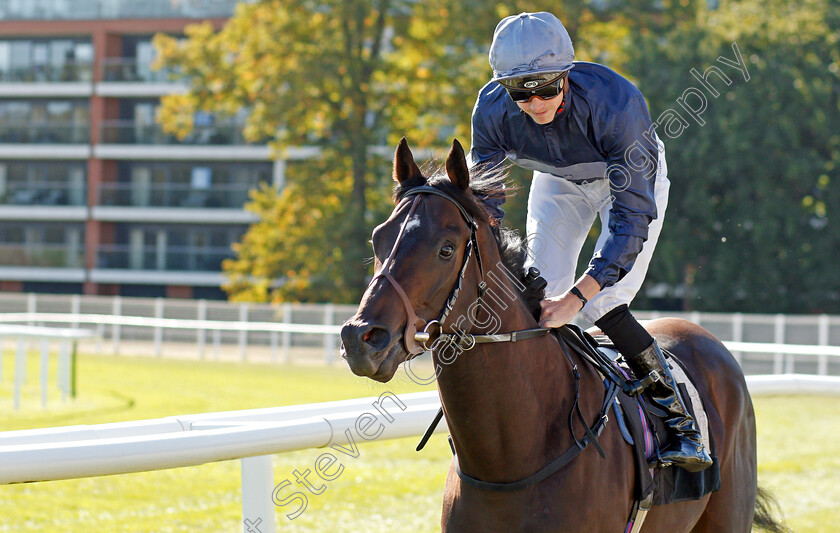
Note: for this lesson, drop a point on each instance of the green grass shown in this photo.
(799, 459)
(389, 487)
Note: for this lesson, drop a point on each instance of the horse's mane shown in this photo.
(485, 184)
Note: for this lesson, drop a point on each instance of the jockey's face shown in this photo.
(542, 111)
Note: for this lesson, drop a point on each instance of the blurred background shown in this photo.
(139, 141)
(182, 178)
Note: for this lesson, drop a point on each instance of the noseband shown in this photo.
(415, 338)
(415, 342)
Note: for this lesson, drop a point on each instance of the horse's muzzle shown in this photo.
(364, 346)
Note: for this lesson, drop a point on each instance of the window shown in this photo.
(5, 59)
(43, 120)
(11, 233)
(54, 235)
(28, 60)
(192, 184)
(201, 178)
(43, 183)
(61, 51)
(60, 111)
(20, 54)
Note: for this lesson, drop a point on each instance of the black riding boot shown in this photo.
(685, 448)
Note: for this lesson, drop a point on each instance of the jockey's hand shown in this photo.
(559, 310)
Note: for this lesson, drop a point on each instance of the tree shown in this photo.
(343, 75)
(752, 221)
(306, 72)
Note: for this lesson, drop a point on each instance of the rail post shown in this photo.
(116, 329)
(822, 336)
(20, 371)
(75, 309)
(243, 333)
(63, 369)
(779, 338)
(738, 333)
(31, 306)
(329, 338)
(158, 329)
(73, 355)
(201, 333)
(45, 366)
(257, 491)
(287, 335)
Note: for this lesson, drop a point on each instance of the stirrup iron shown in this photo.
(634, 387)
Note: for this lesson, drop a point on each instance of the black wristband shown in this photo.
(574, 290)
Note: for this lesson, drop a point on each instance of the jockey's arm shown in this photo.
(562, 309)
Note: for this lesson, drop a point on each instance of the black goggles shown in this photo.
(519, 89)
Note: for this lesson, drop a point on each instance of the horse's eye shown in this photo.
(447, 251)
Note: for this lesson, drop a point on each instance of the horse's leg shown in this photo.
(731, 508)
(676, 517)
(732, 422)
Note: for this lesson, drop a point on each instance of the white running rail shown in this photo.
(823, 351)
(66, 368)
(252, 436)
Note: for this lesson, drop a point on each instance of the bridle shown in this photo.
(417, 333)
(415, 343)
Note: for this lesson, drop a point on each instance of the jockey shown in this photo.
(586, 133)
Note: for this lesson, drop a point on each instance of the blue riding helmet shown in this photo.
(529, 44)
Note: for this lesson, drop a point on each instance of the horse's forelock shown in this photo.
(484, 183)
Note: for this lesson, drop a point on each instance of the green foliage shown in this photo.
(752, 222)
(306, 73)
(753, 189)
(344, 76)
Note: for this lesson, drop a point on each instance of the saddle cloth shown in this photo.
(687, 390)
(647, 433)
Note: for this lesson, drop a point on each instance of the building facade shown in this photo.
(94, 197)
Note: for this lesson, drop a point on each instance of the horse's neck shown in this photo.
(503, 402)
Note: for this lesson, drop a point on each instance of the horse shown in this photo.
(441, 255)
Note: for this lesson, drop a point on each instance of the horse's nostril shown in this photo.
(376, 337)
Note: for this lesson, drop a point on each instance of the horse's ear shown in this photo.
(404, 166)
(456, 166)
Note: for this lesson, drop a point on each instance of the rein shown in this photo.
(415, 343)
(591, 434)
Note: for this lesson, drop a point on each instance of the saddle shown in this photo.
(642, 427)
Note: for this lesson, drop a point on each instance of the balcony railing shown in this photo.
(130, 70)
(133, 195)
(41, 255)
(44, 133)
(176, 258)
(129, 132)
(76, 72)
(114, 9)
(43, 194)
